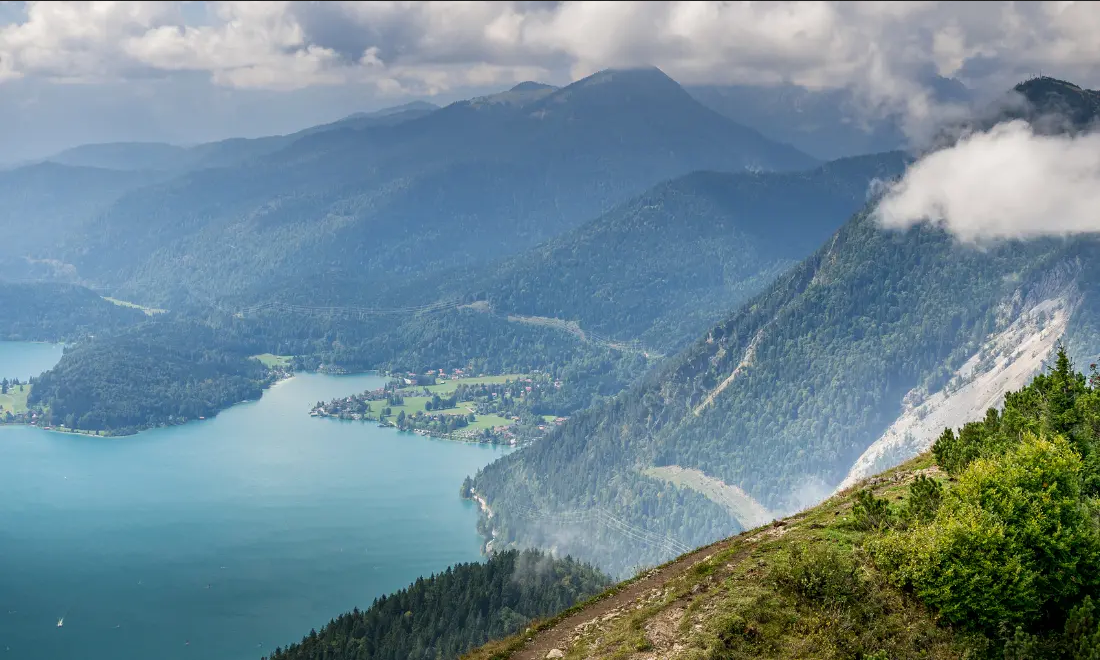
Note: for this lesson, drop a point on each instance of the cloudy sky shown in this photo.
(191, 71)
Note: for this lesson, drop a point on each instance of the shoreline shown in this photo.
(424, 434)
(484, 508)
(284, 377)
(110, 434)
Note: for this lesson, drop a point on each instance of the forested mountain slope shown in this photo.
(445, 615)
(664, 266)
(59, 312)
(775, 404)
(473, 181)
(40, 203)
(986, 547)
(169, 158)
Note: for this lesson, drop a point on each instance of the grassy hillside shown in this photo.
(985, 547)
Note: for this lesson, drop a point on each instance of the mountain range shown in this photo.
(583, 230)
(827, 124)
(663, 266)
(850, 362)
(159, 156)
(365, 202)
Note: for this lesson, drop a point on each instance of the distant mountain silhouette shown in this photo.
(165, 157)
(827, 124)
(467, 183)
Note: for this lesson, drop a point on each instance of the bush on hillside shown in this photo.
(870, 512)
(925, 498)
(1012, 545)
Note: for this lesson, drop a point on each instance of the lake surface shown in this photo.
(23, 359)
(220, 539)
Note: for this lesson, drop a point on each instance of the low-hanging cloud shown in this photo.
(1006, 183)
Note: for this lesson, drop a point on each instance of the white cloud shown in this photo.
(884, 51)
(1006, 183)
(873, 45)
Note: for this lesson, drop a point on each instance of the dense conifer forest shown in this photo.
(446, 614)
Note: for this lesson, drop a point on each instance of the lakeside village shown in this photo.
(455, 406)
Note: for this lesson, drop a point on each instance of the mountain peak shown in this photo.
(1050, 97)
(634, 76)
(531, 86)
(611, 87)
(1051, 106)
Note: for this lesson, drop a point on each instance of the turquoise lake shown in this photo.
(220, 539)
(23, 359)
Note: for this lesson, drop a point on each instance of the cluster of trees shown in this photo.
(438, 424)
(7, 385)
(1010, 548)
(155, 374)
(445, 615)
(441, 403)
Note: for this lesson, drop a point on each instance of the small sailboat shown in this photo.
(61, 622)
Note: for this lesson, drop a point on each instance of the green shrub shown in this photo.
(925, 498)
(989, 437)
(870, 512)
(1012, 543)
(1026, 646)
(818, 573)
(1082, 636)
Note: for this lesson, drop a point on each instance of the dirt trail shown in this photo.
(561, 635)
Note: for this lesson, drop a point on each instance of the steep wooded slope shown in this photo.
(668, 264)
(778, 402)
(473, 181)
(40, 203)
(986, 547)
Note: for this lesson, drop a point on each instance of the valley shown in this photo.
(614, 368)
(165, 544)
